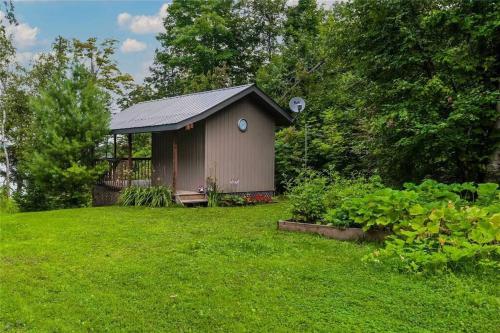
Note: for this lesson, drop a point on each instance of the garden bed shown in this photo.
(347, 234)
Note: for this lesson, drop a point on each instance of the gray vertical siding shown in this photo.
(191, 155)
(161, 158)
(240, 161)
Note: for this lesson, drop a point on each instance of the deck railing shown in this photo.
(119, 175)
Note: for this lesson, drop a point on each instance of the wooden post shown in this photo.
(174, 164)
(130, 166)
(114, 146)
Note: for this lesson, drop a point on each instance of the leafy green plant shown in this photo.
(213, 194)
(447, 237)
(315, 197)
(155, 196)
(229, 200)
(7, 204)
(307, 200)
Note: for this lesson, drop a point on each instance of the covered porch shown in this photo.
(160, 168)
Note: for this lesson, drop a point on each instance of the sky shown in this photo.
(133, 23)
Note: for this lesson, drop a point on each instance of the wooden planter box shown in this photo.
(348, 234)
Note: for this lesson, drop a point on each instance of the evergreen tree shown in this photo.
(70, 119)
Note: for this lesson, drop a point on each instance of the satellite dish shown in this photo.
(297, 104)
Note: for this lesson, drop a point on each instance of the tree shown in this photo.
(406, 89)
(96, 57)
(7, 53)
(213, 44)
(70, 119)
(432, 71)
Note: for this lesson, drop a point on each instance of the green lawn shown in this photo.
(215, 269)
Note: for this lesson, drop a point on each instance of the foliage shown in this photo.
(7, 204)
(444, 237)
(404, 89)
(101, 263)
(96, 57)
(20, 84)
(70, 119)
(213, 44)
(7, 81)
(231, 200)
(307, 199)
(433, 226)
(314, 196)
(213, 193)
(154, 196)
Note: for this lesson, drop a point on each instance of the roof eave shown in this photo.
(283, 119)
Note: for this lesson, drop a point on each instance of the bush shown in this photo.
(433, 226)
(444, 237)
(314, 197)
(230, 200)
(155, 196)
(7, 204)
(307, 200)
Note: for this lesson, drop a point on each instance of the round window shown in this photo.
(243, 125)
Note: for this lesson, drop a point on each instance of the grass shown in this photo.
(215, 269)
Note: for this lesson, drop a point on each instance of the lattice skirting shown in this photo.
(268, 194)
(104, 196)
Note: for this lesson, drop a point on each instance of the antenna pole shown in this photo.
(305, 138)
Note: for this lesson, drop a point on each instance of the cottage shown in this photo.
(224, 135)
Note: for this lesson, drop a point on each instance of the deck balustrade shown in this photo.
(120, 175)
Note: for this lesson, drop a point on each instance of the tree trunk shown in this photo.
(3, 142)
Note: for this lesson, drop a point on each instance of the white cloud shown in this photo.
(124, 19)
(131, 45)
(23, 35)
(143, 24)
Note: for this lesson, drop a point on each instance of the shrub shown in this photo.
(307, 200)
(229, 200)
(315, 197)
(155, 196)
(7, 204)
(444, 237)
(434, 226)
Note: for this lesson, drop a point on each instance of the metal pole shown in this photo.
(305, 138)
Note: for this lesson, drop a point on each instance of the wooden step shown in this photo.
(190, 198)
(194, 201)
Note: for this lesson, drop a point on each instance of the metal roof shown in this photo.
(175, 112)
